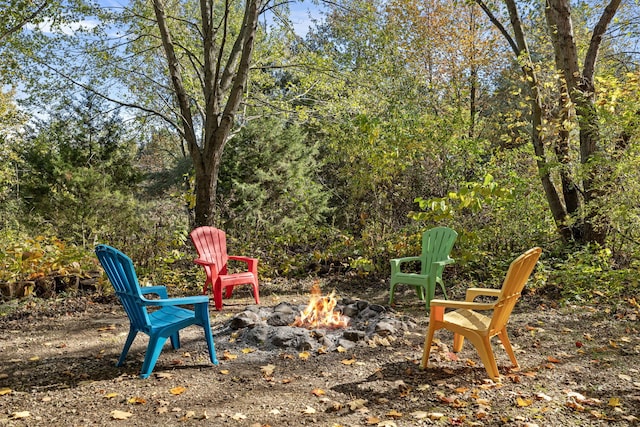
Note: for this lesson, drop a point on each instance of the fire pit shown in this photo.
(325, 324)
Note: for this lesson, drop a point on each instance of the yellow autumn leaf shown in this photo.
(318, 392)
(248, 350)
(110, 395)
(348, 361)
(224, 371)
(5, 390)
(614, 401)
(226, 355)
(523, 402)
(120, 415)
(137, 401)
(341, 349)
(267, 370)
(34, 359)
(370, 421)
(304, 355)
(177, 390)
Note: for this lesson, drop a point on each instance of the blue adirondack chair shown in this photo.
(163, 322)
(436, 246)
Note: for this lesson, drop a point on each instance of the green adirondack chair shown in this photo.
(436, 246)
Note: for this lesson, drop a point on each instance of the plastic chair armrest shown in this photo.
(472, 293)
(396, 262)
(199, 299)
(445, 262)
(252, 263)
(461, 304)
(204, 262)
(161, 291)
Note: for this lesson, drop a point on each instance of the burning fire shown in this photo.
(319, 313)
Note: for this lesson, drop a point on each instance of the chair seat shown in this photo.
(169, 316)
(468, 319)
(246, 277)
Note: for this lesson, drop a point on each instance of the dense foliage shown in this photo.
(375, 126)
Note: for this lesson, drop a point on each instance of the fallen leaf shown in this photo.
(436, 415)
(137, 401)
(177, 390)
(20, 414)
(248, 350)
(304, 355)
(162, 410)
(5, 390)
(110, 395)
(357, 404)
(523, 402)
(238, 416)
(34, 358)
(226, 355)
(624, 377)
(224, 371)
(309, 410)
(614, 401)
(419, 415)
(120, 415)
(341, 349)
(372, 421)
(553, 359)
(394, 414)
(348, 361)
(267, 370)
(318, 392)
(542, 396)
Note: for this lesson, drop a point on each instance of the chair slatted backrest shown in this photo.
(517, 276)
(437, 244)
(123, 278)
(211, 244)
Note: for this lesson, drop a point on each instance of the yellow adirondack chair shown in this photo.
(465, 321)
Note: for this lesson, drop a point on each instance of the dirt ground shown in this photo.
(579, 366)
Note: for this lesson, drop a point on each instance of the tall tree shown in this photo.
(576, 98)
(186, 63)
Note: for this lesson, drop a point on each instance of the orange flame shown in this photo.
(319, 313)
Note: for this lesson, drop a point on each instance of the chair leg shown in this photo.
(217, 295)
(175, 340)
(202, 314)
(483, 347)
(205, 288)
(444, 292)
(458, 342)
(504, 338)
(427, 347)
(127, 345)
(228, 291)
(256, 292)
(151, 356)
(392, 288)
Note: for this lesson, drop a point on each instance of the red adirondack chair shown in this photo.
(211, 244)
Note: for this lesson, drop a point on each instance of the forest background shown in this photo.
(514, 123)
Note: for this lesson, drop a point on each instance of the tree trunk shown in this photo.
(581, 88)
